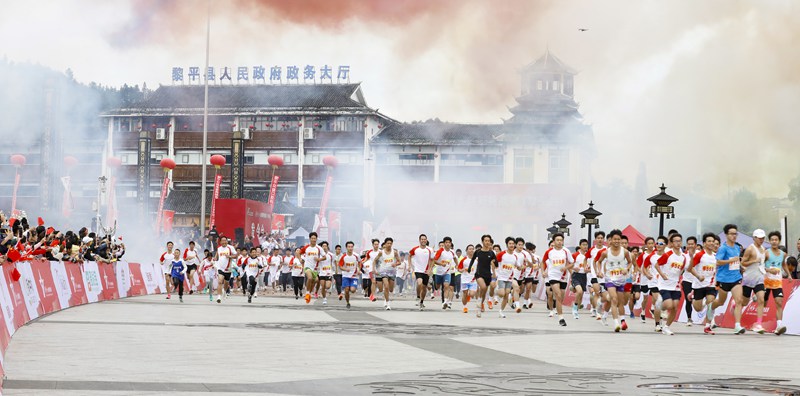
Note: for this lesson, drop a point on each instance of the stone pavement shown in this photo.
(278, 345)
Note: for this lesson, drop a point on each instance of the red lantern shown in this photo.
(154, 125)
(18, 160)
(168, 164)
(113, 162)
(300, 124)
(330, 161)
(275, 161)
(252, 127)
(185, 126)
(316, 124)
(218, 161)
(70, 161)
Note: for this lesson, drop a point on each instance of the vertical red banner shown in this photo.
(164, 188)
(273, 190)
(217, 183)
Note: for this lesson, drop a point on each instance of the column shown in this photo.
(237, 166)
(301, 160)
(143, 175)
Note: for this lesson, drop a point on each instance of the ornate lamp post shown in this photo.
(661, 207)
(563, 225)
(590, 218)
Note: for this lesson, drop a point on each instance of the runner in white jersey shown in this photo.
(420, 258)
(191, 257)
(649, 270)
(253, 265)
(530, 276)
(671, 266)
(297, 266)
(337, 272)
(286, 269)
(225, 257)
(599, 239)
(703, 268)
(349, 264)
(506, 262)
(325, 271)
(523, 262)
(443, 260)
(368, 272)
(274, 262)
(558, 261)
(616, 265)
(209, 272)
(166, 260)
(312, 255)
(649, 247)
(468, 285)
(688, 279)
(579, 271)
(386, 263)
(753, 275)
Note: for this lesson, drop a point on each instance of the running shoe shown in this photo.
(658, 328)
(372, 297)
(168, 296)
(574, 311)
(307, 298)
(219, 300)
(210, 297)
(341, 296)
(249, 299)
(421, 307)
(667, 331)
(707, 330)
(519, 309)
(466, 310)
(316, 295)
(644, 318)
(632, 315)
(624, 325)
(482, 309)
(502, 315)
(348, 305)
(739, 330)
(689, 323)
(478, 314)
(562, 323)
(617, 327)
(191, 292)
(491, 305)
(180, 298)
(444, 305)
(388, 307)
(758, 329)
(449, 305)
(781, 329)
(324, 301)
(604, 320)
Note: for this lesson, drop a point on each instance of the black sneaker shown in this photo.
(348, 305)
(180, 298)
(191, 292)
(562, 322)
(249, 299)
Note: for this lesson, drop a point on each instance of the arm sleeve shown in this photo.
(663, 259)
(697, 257)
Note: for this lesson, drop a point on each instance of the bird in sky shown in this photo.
(583, 29)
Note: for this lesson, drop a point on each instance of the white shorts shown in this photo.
(469, 286)
(166, 269)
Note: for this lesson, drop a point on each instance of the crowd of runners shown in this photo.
(606, 276)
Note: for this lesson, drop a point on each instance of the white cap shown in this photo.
(86, 239)
(759, 233)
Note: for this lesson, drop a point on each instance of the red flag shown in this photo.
(40, 221)
(273, 190)
(164, 189)
(13, 255)
(15, 275)
(169, 217)
(217, 182)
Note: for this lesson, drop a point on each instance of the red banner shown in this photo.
(217, 183)
(108, 278)
(169, 217)
(273, 190)
(278, 222)
(14, 193)
(164, 188)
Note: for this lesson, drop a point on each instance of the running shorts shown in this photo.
(324, 278)
(562, 285)
(441, 279)
(225, 274)
(578, 279)
(349, 282)
(777, 293)
(487, 278)
(703, 292)
(747, 291)
(425, 278)
(501, 284)
(670, 294)
(191, 267)
(728, 286)
(636, 288)
(469, 286)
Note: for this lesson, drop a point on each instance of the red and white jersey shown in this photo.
(672, 265)
(420, 258)
(595, 258)
(349, 264)
(527, 272)
(166, 258)
(640, 278)
(463, 266)
(366, 267)
(590, 256)
(536, 271)
(687, 276)
(286, 266)
(206, 265)
(445, 259)
(225, 255)
(581, 263)
(252, 266)
(190, 256)
(310, 254)
(650, 263)
(705, 264)
(274, 262)
(555, 262)
(369, 258)
(519, 269)
(297, 266)
(506, 262)
(326, 265)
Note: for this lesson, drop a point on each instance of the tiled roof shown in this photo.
(549, 62)
(188, 201)
(435, 132)
(255, 97)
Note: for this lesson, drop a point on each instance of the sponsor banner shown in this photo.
(30, 290)
(150, 277)
(91, 282)
(61, 281)
(123, 274)
(47, 286)
(136, 280)
(15, 291)
(7, 305)
(108, 280)
(75, 276)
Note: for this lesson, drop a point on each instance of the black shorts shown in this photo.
(653, 291)
(703, 292)
(525, 281)
(578, 279)
(686, 287)
(637, 288)
(594, 281)
(487, 278)
(728, 286)
(324, 278)
(191, 267)
(562, 285)
(425, 278)
(670, 294)
(747, 291)
(777, 293)
(225, 274)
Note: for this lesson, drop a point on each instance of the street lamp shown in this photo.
(662, 207)
(590, 218)
(551, 231)
(563, 225)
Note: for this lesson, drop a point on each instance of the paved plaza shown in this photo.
(278, 345)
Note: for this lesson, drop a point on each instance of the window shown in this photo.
(523, 161)
(559, 165)
(288, 158)
(555, 85)
(185, 158)
(315, 158)
(130, 194)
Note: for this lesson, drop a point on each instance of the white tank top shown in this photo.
(615, 265)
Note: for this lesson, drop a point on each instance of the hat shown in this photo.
(759, 233)
(86, 239)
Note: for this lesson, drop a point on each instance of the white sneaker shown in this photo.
(666, 330)
(758, 329)
(658, 328)
(604, 320)
(502, 315)
(780, 329)
(551, 314)
(324, 301)
(219, 299)
(388, 308)
(689, 323)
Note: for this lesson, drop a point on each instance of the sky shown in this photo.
(705, 94)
